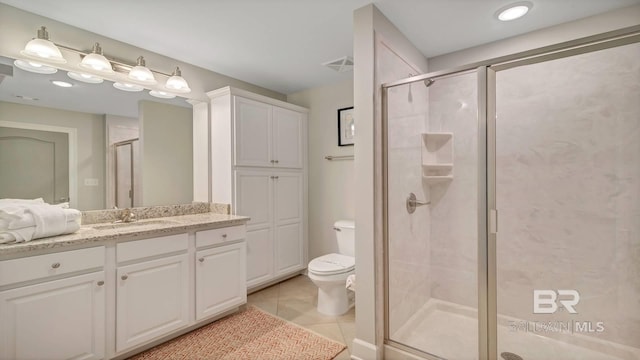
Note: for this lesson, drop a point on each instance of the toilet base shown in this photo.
(333, 301)
(333, 296)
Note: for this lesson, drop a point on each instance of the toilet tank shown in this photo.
(345, 234)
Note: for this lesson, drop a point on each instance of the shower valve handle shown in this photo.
(413, 203)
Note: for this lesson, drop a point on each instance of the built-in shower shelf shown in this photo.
(435, 179)
(437, 157)
(437, 167)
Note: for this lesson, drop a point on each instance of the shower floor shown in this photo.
(450, 331)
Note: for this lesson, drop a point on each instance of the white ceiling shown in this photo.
(280, 44)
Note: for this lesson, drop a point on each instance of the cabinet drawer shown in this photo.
(139, 249)
(43, 266)
(218, 236)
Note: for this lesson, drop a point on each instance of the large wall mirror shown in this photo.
(92, 144)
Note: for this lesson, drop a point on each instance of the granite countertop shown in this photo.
(127, 231)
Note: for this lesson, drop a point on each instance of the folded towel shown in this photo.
(27, 233)
(22, 201)
(33, 219)
(351, 282)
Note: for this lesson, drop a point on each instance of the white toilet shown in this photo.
(329, 272)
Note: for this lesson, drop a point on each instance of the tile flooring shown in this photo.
(295, 300)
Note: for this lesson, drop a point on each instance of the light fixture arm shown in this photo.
(119, 65)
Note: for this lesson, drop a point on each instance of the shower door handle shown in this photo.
(413, 203)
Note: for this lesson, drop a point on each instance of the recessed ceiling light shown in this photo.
(513, 11)
(61, 83)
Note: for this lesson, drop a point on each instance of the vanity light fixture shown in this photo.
(96, 61)
(87, 78)
(161, 94)
(42, 48)
(42, 55)
(513, 11)
(141, 73)
(177, 83)
(127, 87)
(34, 67)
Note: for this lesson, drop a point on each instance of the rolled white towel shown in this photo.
(351, 282)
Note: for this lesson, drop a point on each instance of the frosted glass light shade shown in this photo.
(42, 48)
(96, 62)
(87, 78)
(177, 83)
(141, 73)
(34, 67)
(127, 87)
(161, 94)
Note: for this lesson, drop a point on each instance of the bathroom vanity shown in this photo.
(111, 290)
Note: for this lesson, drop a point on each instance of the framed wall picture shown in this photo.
(346, 126)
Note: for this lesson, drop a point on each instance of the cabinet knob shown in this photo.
(55, 265)
(201, 259)
(224, 236)
(276, 177)
(100, 283)
(276, 161)
(124, 277)
(273, 161)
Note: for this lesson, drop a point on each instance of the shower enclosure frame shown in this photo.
(487, 212)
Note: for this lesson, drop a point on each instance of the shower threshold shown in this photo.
(450, 331)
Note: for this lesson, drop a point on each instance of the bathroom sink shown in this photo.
(134, 224)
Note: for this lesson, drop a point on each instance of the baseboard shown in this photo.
(362, 350)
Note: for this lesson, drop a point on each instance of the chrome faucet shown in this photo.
(127, 215)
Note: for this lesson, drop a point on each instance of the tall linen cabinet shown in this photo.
(258, 165)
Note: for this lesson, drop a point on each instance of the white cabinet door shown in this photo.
(59, 319)
(288, 243)
(259, 256)
(288, 234)
(287, 138)
(152, 300)
(288, 197)
(253, 133)
(254, 197)
(221, 280)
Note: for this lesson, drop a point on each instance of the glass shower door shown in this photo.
(431, 217)
(567, 189)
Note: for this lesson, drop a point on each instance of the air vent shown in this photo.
(342, 64)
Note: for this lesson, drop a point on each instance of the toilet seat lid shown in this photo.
(332, 264)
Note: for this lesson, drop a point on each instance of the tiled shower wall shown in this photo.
(453, 107)
(568, 188)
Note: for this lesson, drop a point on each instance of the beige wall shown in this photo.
(331, 183)
(91, 144)
(166, 155)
